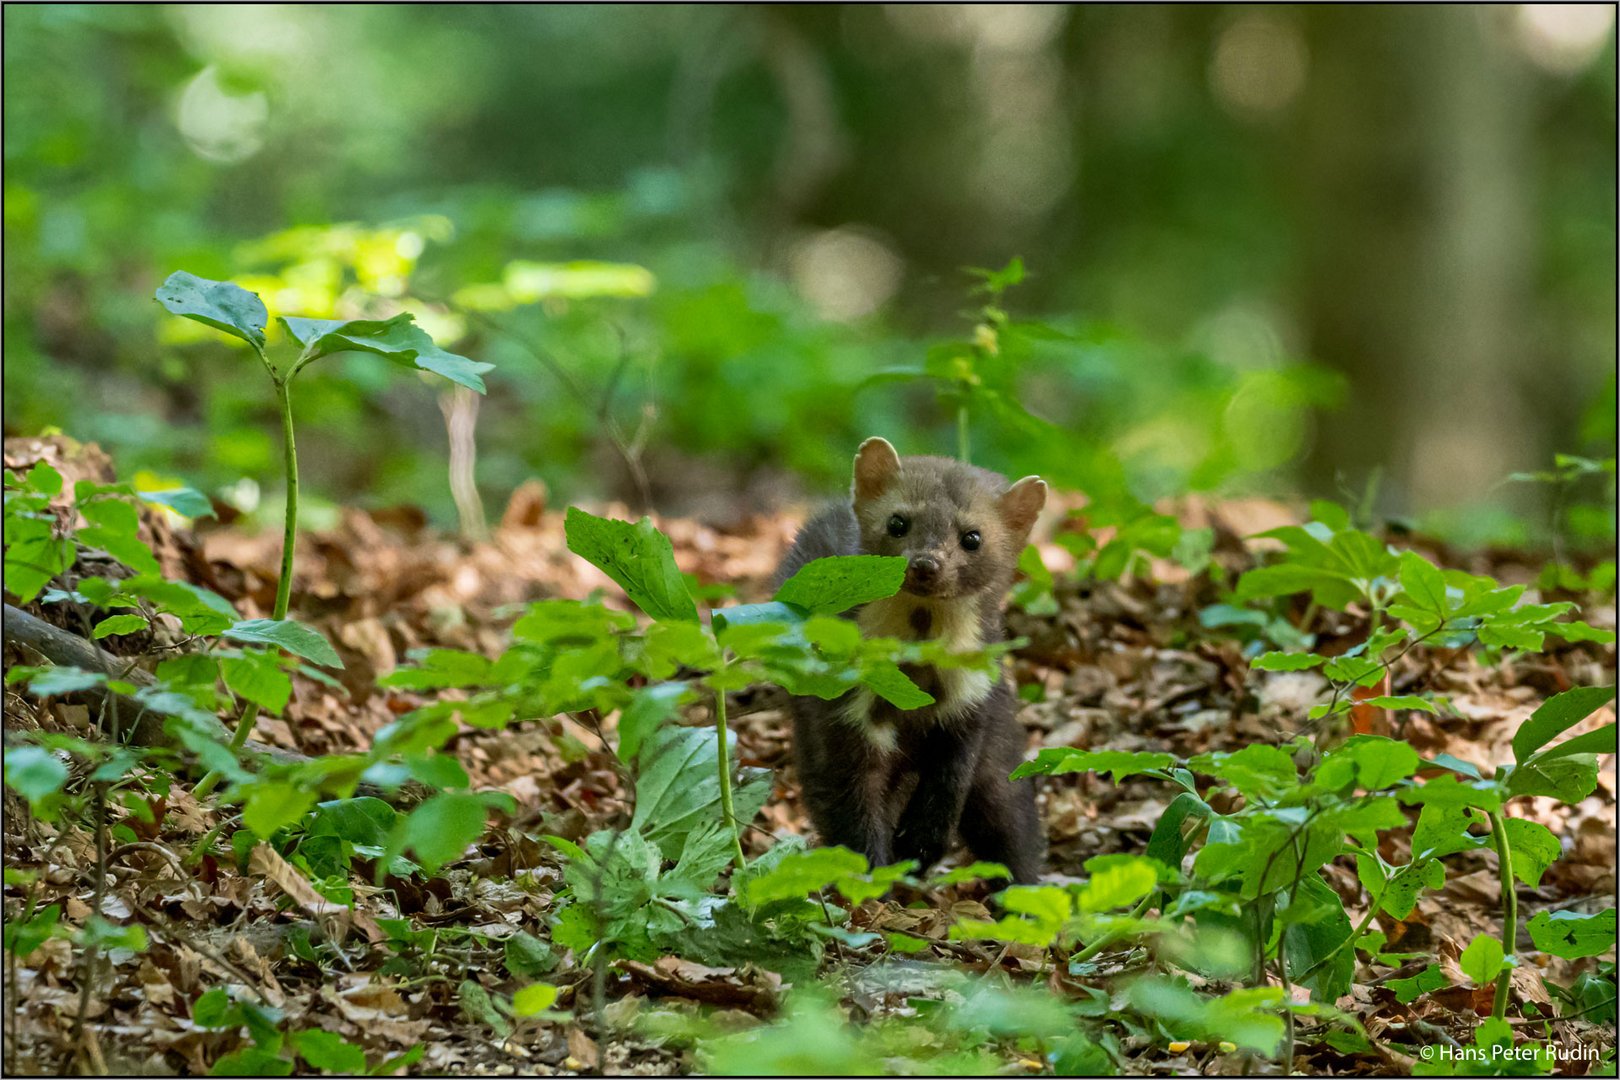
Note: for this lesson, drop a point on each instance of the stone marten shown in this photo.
(897, 784)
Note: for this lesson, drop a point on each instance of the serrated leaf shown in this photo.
(219, 304)
(837, 583)
(257, 679)
(638, 557)
(295, 637)
(1425, 586)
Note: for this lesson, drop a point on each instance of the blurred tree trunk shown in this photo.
(1416, 248)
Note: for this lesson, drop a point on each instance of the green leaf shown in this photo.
(1429, 979)
(1556, 715)
(1568, 778)
(1171, 836)
(1533, 847)
(1482, 960)
(527, 956)
(1255, 771)
(1423, 583)
(252, 1061)
(1402, 701)
(1316, 926)
(1597, 741)
(56, 681)
(1571, 935)
(364, 821)
(638, 557)
(1055, 761)
(330, 1052)
(271, 806)
(295, 637)
(441, 829)
(399, 339)
(1379, 762)
(1283, 661)
(219, 304)
(534, 999)
(885, 679)
(1119, 883)
(649, 707)
(837, 583)
(679, 787)
(34, 772)
(258, 679)
(802, 872)
(184, 501)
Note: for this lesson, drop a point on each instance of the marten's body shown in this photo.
(893, 783)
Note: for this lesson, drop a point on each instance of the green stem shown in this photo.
(1109, 938)
(1355, 936)
(725, 776)
(1510, 911)
(289, 541)
(962, 431)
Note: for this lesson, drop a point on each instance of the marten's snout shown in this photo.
(922, 573)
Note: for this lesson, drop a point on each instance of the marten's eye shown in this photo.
(898, 525)
(971, 541)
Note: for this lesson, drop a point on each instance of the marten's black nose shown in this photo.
(923, 568)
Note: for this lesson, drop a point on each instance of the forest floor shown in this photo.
(1123, 666)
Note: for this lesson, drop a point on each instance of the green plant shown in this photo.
(233, 310)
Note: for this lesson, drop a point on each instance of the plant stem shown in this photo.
(1107, 939)
(725, 775)
(289, 541)
(962, 431)
(1510, 911)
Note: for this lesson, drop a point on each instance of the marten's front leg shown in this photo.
(944, 760)
(849, 786)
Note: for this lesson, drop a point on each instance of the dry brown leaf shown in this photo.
(266, 862)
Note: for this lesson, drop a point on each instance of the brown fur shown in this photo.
(893, 783)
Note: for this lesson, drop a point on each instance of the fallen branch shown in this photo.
(66, 649)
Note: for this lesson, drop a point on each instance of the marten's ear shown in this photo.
(876, 466)
(1021, 504)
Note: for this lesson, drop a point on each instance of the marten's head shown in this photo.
(960, 528)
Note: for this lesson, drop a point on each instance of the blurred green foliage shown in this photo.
(692, 239)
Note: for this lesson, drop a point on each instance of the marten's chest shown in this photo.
(954, 623)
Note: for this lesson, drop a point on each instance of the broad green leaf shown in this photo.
(1055, 761)
(1571, 935)
(1255, 771)
(1317, 926)
(1172, 836)
(1429, 979)
(1598, 741)
(330, 1052)
(802, 872)
(835, 584)
(527, 956)
(975, 871)
(1482, 960)
(1442, 829)
(271, 806)
(440, 829)
(1120, 883)
(441, 669)
(34, 772)
(638, 557)
(1425, 586)
(1566, 777)
(1283, 661)
(885, 679)
(219, 304)
(1449, 791)
(649, 707)
(1533, 847)
(364, 821)
(252, 1061)
(679, 787)
(399, 339)
(1557, 715)
(258, 679)
(295, 637)
(1405, 883)
(185, 501)
(1402, 701)
(1378, 761)
(57, 681)
(534, 999)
